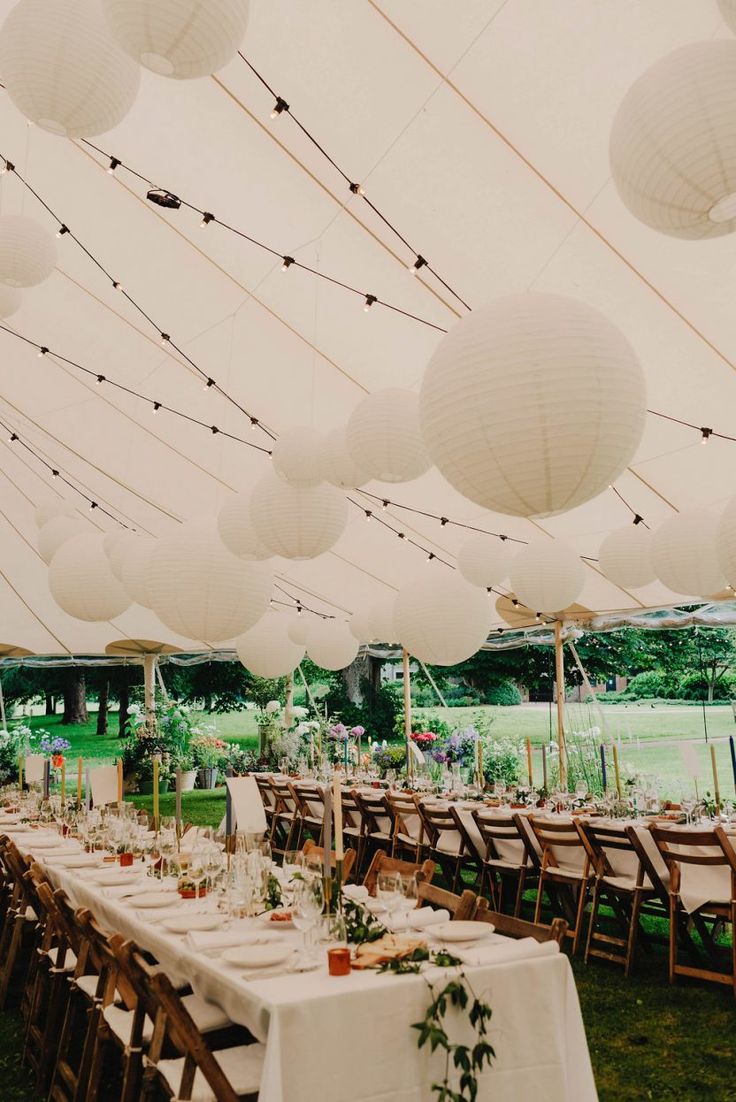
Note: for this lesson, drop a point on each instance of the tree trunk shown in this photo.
(102, 711)
(75, 697)
(124, 698)
(208, 702)
(361, 677)
(50, 705)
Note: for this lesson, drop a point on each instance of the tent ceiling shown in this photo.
(481, 130)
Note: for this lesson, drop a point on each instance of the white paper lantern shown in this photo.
(625, 556)
(673, 143)
(55, 508)
(182, 39)
(547, 575)
(298, 523)
(27, 251)
(298, 628)
(82, 582)
(10, 300)
(441, 619)
(685, 553)
(338, 465)
(384, 438)
(200, 590)
(361, 625)
(266, 650)
(727, 9)
(331, 645)
(56, 532)
(63, 69)
(532, 404)
(726, 542)
(237, 531)
(297, 456)
(134, 569)
(118, 543)
(485, 560)
(374, 623)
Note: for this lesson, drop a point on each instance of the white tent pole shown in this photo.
(588, 686)
(312, 701)
(560, 685)
(433, 683)
(407, 713)
(149, 689)
(162, 684)
(289, 705)
(2, 707)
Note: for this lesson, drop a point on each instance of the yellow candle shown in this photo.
(716, 789)
(79, 781)
(616, 770)
(156, 760)
(63, 779)
(120, 780)
(337, 810)
(481, 778)
(20, 772)
(529, 760)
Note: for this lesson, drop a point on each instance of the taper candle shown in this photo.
(529, 761)
(228, 805)
(120, 780)
(177, 810)
(156, 766)
(733, 758)
(79, 781)
(616, 770)
(327, 832)
(87, 790)
(337, 802)
(544, 768)
(603, 767)
(63, 781)
(716, 788)
(46, 778)
(20, 773)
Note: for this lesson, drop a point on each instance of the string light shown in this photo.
(114, 162)
(430, 556)
(357, 189)
(8, 166)
(100, 379)
(209, 384)
(254, 424)
(279, 107)
(43, 351)
(207, 217)
(369, 300)
(287, 262)
(12, 438)
(414, 267)
(62, 230)
(156, 407)
(93, 504)
(117, 285)
(165, 338)
(163, 198)
(54, 473)
(368, 514)
(706, 434)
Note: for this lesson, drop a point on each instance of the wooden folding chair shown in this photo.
(376, 824)
(519, 927)
(310, 802)
(352, 824)
(506, 857)
(267, 797)
(448, 842)
(285, 823)
(461, 907)
(315, 855)
(561, 843)
(382, 863)
(408, 832)
(20, 924)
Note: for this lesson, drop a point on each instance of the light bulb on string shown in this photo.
(287, 262)
(279, 107)
(114, 162)
(62, 230)
(416, 264)
(117, 285)
(100, 379)
(207, 217)
(253, 424)
(357, 189)
(209, 383)
(705, 435)
(156, 407)
(369, 300)
(43, 350)
(165, 338)
(368, 514)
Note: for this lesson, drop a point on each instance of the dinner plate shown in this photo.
(111, 878)
(283, 924)
(149, 900)
(182, 924)
(257, 956)
(461, 931)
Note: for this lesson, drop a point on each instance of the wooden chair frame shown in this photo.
(518, 927)
(564, 836)
(461, 907)
(495, 828)
(424, 870)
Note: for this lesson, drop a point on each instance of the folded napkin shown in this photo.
(355, 891)
(239, 934)
(503, 952)
(416, 920)
(120, 891)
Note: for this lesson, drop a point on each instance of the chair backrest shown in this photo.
(285, 801)
(519, 927)
(374, 808)
(713, 848)
(316, 855)
(604, 839)
(495, 828)
(266, 790)
(102, 956)
(461, 907)
(405, 808)
(439, 819)
(552, 835)
(381, 863)
(310, 800)
(351, 814)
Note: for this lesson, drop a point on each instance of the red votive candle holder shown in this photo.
(338, 961)
(126, 859)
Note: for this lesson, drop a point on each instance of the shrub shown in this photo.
(501, 759)
(653, 683)
(503, 692)
(462, 696)
(695, 687)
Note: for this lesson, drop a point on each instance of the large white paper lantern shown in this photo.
(331, 645)
(182, 39)
(118, 543)
(374, 622)
(727, 9)
(685, 553)
(64, 70)
(547, 575)
(237, 532)
(673, 143)
(266, 650)
(532, 404)
(200, 590)
(298, 627)
(297, 522)
(82, 582)
(625, 556)
(384, 437)
(27, 251)
(297, 456)
(57, 507)
(56, 532)
(338, 464)
(440, 619)
(134, 569)
(360, 625)
(485, 560)
(726, 542)
(10, 300)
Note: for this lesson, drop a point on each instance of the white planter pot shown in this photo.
(188, 780)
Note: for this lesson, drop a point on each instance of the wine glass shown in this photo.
(388, 891)
(307, 905)
(197, 871)
(409, 896)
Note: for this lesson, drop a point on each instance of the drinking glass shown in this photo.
(307, 905)
(197, 872)
(388, 891)
(408, 888)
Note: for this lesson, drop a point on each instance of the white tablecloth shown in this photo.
(339, 1038)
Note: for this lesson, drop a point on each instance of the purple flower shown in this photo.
(338, 731)
(357, 732)
(440, 757)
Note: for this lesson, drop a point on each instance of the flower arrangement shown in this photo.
(424, 739)
(53, 747)
(208, 751)
(458, 749)
(388, 758)
(13, 745)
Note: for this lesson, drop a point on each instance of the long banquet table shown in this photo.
(340, 1038)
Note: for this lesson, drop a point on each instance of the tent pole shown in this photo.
(312, 701)
(407, 713)
(149, 690)
(2, 707)
(560, 686)
(433, 683)
(289, 705)
(162, 684)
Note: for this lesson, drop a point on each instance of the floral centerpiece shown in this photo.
(14, 744)
(209, 755)
(53, 748)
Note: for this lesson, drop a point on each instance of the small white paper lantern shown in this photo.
(267, 651)
(27, 251)
(82, 583)
(200, 590)
(54, 508)
(331, 645)
(338, 465)
(182, 39)
(441, 619)
(625, 556)
(63, 69)
(726, 542)
(298, 628)
(297, 456)
(547, 575)
(118, 543)
(532, 404)
(10, 300)
(134, 569)
(685, 554)
(485, 560)
(237, 531)
(384, 438)
(56, 532)
(298, 523)
(673, 143)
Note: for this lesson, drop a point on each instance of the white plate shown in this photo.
(111, 878)
(182, 924)
(258, 956)
(461, 931)
(267, 921)
(149, 900)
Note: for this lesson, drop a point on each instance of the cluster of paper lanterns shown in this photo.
(73, 66)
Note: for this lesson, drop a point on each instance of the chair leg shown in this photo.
(540, 891)
(633, 932)
(673, 936)
(580, 916)
(9, 964)
(520, 891)
(593, 918)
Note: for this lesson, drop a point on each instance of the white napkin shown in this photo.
(497, 952)
(120, 891)
(202, 940)
(417, 920)
(355, 891)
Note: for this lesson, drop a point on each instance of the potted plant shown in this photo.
(185, 762)
(208, 754)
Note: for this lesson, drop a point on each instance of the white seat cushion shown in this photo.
(502, 863)
(565, 870)
(407, 839)
(206, 1016)
(626, 883)
(241, 1065)
(120, 1022)
(87, 985)
(70, 961)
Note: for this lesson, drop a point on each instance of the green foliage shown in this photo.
(653, 683)
(360, 925)
(502, 759)
(462, 696)
(696, 687)
(504, 693)
(461, 1061)
(387, 758)
(377, 714)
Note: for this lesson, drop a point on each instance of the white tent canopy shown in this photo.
(481, 130)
